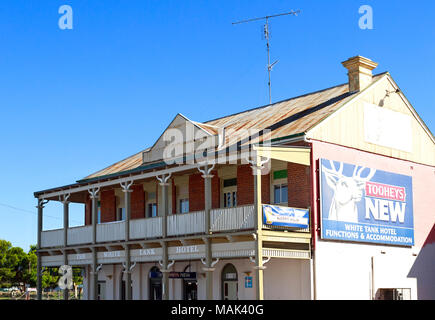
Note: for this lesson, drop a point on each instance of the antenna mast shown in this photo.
(267, 36)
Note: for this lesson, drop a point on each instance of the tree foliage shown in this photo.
(19, 268)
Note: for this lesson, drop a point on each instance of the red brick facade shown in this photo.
(108, 206)
(298, 179)
(299, 187)
(88, 211)
(265, 188)
(137, 202)
(245, 185)
(196, 192)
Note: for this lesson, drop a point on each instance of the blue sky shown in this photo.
(75, 101)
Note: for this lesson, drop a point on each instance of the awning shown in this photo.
(300, 155)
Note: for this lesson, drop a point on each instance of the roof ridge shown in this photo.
(289, 99)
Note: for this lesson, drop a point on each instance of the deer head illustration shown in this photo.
(347, 191)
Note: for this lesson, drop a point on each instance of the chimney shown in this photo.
(359, 72)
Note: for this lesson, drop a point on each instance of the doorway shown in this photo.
(190, 286)
(122, 293)
(155, 278)
(101, 290)
(229, 282)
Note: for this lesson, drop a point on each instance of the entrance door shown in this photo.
(156, 290)
(155, 278)
(122, 293)
(190, 290)
(229, 282)
(101, 290)
(230, 290)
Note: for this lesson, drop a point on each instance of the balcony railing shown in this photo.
(111, 231)
(221, 220)
(79, 235)
(146, 228)
(186, 223)
(238, 218)
(52, 238)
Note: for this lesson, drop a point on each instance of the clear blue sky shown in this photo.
(75, 101)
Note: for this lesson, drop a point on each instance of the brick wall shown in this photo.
(108, 206)
(298, 180)
(265, 188)
(196, 192)
(245, 185)
(137, 202)
(88, 211)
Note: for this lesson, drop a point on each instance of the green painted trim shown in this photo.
(281, 174)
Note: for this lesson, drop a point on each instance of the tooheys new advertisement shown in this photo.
(363, 204)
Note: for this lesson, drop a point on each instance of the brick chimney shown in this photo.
(359, 72)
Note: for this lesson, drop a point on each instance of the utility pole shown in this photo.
(267, 37)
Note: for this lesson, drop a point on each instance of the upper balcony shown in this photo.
(225, 220)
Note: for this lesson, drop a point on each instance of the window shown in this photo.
(394, 294)
(280, 194)
(184, 205)
(152, 210)
(230, 182)
(230, 199)
(230, 193)
(121, 214)
(98, 213)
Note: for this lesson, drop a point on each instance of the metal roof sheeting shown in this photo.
(284, 118)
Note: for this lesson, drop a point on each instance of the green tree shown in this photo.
(6, 272)
(20, 268)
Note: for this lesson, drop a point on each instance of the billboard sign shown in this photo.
(285, 217)
(365, 205)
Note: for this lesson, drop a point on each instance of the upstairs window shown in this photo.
(99, 213)
(230, 199)
(152, 210)
(280, 194)
(184, 205)
(121, 214)
(230, 193)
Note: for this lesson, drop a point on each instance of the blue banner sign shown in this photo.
(285, 217)
(365, 205)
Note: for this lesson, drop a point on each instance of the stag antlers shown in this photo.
(357, 172)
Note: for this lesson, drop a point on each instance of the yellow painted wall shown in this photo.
(346, 126)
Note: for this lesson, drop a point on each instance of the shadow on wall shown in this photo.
(423, 268)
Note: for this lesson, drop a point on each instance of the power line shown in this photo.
(33, 213)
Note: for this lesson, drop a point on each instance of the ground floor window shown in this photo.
(394, 294)
(229, 282)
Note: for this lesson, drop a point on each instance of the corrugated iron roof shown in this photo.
(129, 163)
(285, 118)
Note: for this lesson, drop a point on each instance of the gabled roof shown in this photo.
(284, 118)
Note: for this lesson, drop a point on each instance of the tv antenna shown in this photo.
(267, 36)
